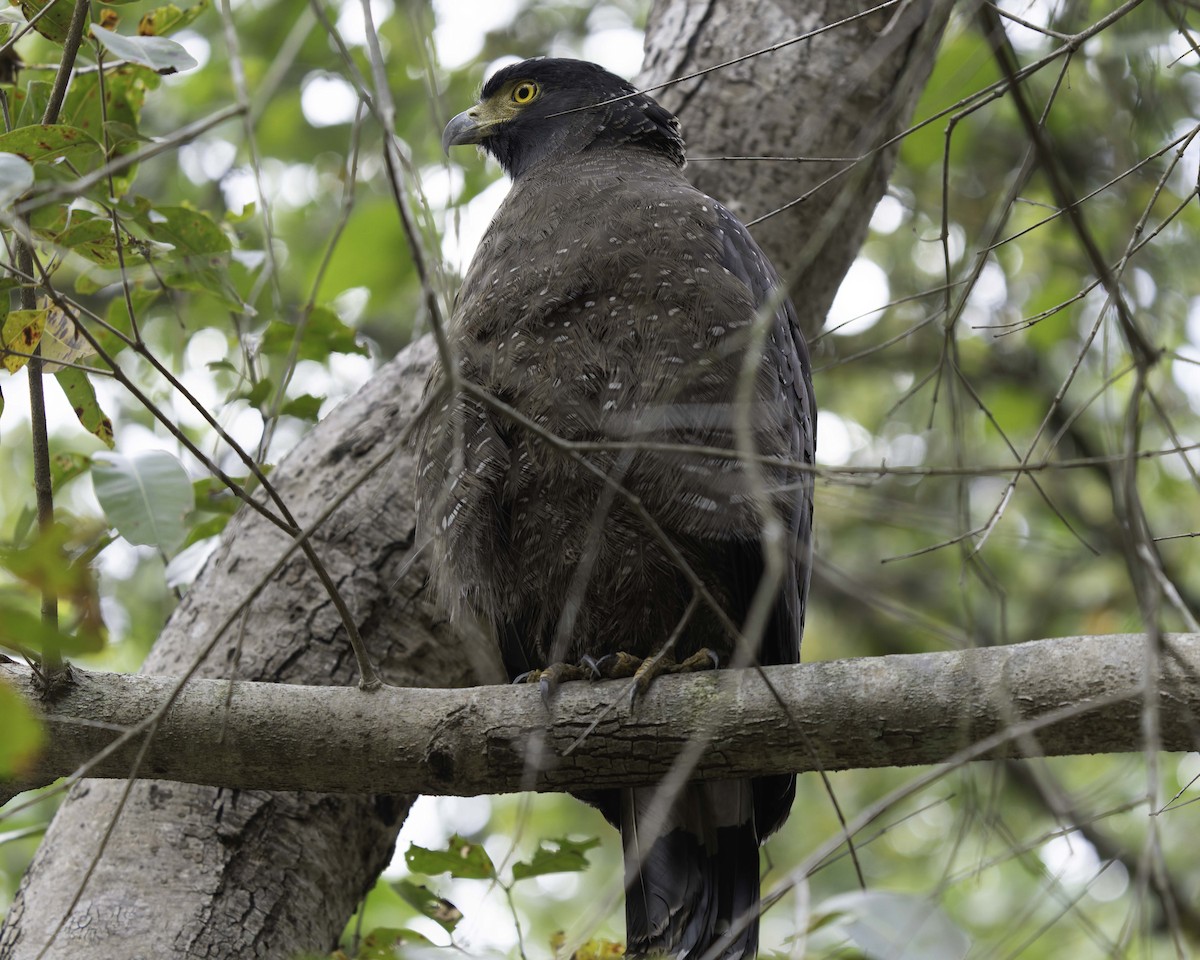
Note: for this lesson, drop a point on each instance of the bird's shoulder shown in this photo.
(613, 223)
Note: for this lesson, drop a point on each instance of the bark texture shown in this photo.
(842, 94)
(195, 871)
(1076, 695)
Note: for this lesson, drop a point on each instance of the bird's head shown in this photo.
(547, 108)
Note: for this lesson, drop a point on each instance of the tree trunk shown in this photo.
(191, 871)
(840, 95)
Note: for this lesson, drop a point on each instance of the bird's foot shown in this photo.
(615, 666)
(619, 666)
(550, 677)
(702, 659)
(664, 663)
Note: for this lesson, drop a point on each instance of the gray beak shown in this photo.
(462, 129)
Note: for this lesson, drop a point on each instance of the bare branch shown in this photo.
(880, 711)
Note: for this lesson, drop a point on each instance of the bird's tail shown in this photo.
(691, 871)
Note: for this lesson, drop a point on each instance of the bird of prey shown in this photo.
(613, 304)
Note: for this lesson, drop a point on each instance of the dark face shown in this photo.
(552, 108)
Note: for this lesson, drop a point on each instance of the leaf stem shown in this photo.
(52, 659)
(71, 44)
(42, 486)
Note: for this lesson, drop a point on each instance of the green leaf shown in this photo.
(16, 176)
(65, 467)
(323, 334)
(190, 232)
(212, 282)
(565, 856)
(212, 527)
(124, 90)
(23, 525)
(92, 237)
(441, 911)
(118, 113)
(260, 393)
(54, 25)
(21, 331)
(33, 103)
(22, 733)
(596, 949)
(199, 253)
(305, 407)
(248, 212)
(161, 55)
(51, 563)
(78, 388)
(212, 495)
(121, 135)
(163, 20)
(10, 18)
(52, 143)
(117, 315)
(146, 496)
(461, 858)
(24, 630)
(382, 943)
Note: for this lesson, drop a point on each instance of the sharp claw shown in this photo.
(605, 664)
(617, 666)
(525, 677)
(546, 686)
(593, 665)
(639, 689)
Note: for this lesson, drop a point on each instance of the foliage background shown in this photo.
(317, 287)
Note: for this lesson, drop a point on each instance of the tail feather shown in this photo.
(691, 872)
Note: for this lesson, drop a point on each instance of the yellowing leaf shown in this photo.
(61, 340)
(53, 25)
(21, 332)
(78, 388)
(50, 144)
(163, 20)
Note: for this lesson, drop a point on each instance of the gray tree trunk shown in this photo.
(191, 871)
(839, 95)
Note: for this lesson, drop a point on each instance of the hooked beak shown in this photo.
(464, 128)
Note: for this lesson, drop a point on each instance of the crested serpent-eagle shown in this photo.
(613, 303)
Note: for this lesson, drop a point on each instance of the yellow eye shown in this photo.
(525, 91)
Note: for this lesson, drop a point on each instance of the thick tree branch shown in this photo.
(881, 711)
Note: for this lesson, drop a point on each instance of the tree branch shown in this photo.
(871, 712)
